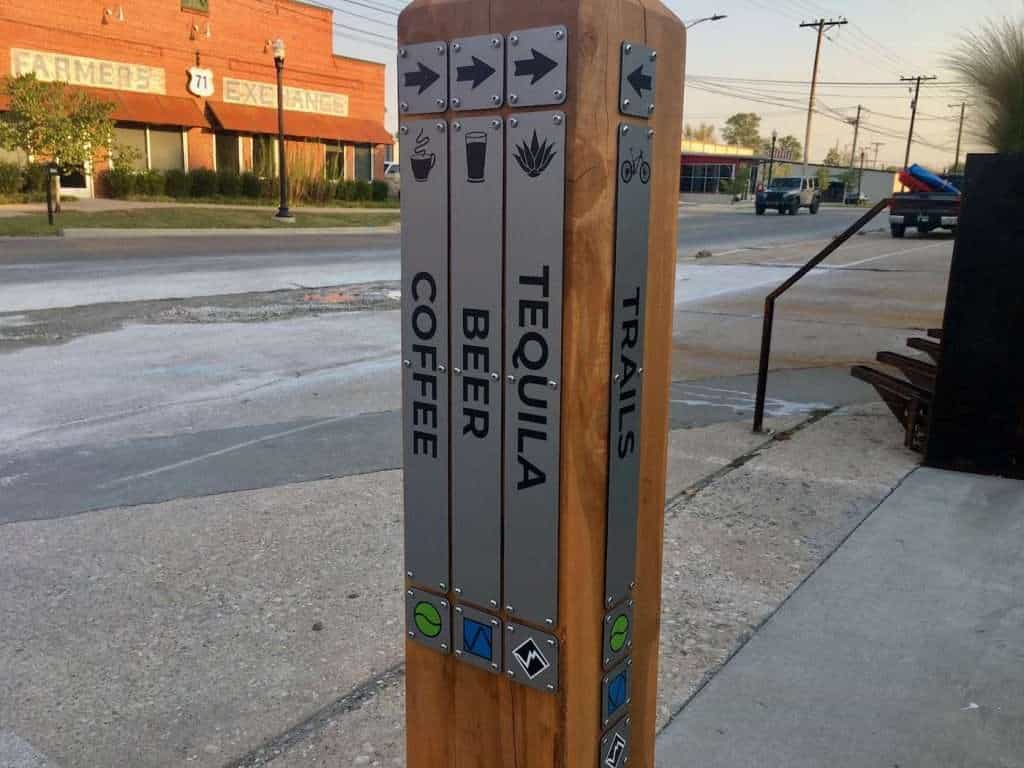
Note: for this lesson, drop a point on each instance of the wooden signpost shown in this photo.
(540, 163)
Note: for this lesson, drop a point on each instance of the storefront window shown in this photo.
(334, 165)
(708, 179)
(263, 157)
(364, 162)
(166, 150)
(227, 152)
(131, 143)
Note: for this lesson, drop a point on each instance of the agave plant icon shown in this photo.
(535, 157)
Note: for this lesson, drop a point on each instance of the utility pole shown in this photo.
(917, 79)
(959, 133)
(860, 179)
(822, 25)
(877, 145)
(853, 152)
(771, 158)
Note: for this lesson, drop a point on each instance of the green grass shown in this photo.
(185, 218)
(265, 202)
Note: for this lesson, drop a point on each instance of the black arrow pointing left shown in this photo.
(640, 81)
(477, 72)
(424, 77)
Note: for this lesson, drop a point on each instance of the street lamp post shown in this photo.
(283, 214)
(716, 17)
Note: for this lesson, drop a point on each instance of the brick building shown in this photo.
(194, 82)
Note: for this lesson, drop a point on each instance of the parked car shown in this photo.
(789, 194)
(393, 177)
(856, 198)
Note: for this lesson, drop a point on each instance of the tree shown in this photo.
(56, 123)
(743, 129)
(833, 158)
(704, 132)
(824, 179)
(792, 145)
(992, 61)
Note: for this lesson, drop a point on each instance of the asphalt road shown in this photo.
(145, 370)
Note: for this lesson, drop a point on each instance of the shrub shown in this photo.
(203, 181)
(250, 184)
(35, 178)
(344, 190)
(379, 191)
(269, 188)
(316, 191)
(177, 183)
(363, 191)
(10, 178)
(150, 184)
(229, 183)
(121, 182)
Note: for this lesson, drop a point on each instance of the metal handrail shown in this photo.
(769, 305)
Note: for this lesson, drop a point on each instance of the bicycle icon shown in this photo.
(636, 165)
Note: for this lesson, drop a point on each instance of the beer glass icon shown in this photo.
(476, 156)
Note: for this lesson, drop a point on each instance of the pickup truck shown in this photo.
(789, 195)
(926, 209)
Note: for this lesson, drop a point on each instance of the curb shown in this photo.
(86, 233)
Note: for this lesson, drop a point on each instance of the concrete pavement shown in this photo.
(903, 649)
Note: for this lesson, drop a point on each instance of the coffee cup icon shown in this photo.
(422, 166)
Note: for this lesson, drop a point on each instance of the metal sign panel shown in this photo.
(423, 78)
(477, 72)
(424, 152)
(537, 66)
(531, 657)
(478, 639)
(633, 211)
(618, 634)
(477, 184)
(638, 80)
(428, 620)
(614, 752)
(615, 692)
(535, 214)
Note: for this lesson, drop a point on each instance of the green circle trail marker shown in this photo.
(428, 619)
(619, 633)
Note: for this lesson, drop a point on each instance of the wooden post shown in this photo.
(458, 714)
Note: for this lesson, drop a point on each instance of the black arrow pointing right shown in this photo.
(640, 81)
(538, 66)
(424, 77)
(477, 72)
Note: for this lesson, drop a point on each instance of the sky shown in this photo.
(728, 62)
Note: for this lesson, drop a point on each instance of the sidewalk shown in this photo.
(903, 649)
(189, 641)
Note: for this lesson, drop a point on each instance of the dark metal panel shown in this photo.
(423, 78)
(638, 80)
(424, 152)
(477, 76)
(632, 224)
(537, 66)
(428, 620)
(535, 213)
(477, 182)
(618, 634)
(615, 745)
(616, 695)
(478, 639)
(531, 657)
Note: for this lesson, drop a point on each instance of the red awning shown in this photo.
(304, 125)
(130, 107)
